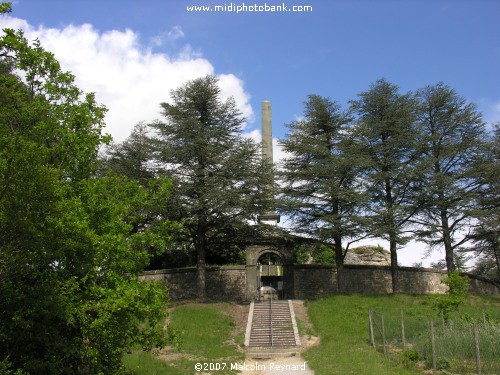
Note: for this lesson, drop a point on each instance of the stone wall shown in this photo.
(480, 286)
(421, 280)
(366, 279)
(312, 281)
(230, 283)
(225, 283)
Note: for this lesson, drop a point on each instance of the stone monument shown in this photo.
(269, 260)
(269, 217)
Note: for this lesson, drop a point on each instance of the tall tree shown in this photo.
(70, 301)
(133, 157)
(485, 235)
(67, 122)
(385, 134)
(453, 147)
(215, 169)
(321, 189)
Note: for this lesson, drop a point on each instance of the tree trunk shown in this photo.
(393, 240)
(339, 260)
(201, 261)
(337, 238)
(201, 274)
(448, 249)
(497, 260)
(394, 264)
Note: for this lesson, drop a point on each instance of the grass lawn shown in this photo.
(342, 323)
(207, 335)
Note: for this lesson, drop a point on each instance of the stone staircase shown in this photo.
(271, 324)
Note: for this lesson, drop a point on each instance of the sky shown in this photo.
(133, 53)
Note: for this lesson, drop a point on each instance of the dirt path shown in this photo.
(291, 365)
(294, 365)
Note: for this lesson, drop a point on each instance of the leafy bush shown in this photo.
(71, 244)
(442, 363)
(458, 289)
(314, 253)
(410, 357)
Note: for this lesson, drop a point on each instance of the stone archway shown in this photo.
(270, 276)
(274, 277)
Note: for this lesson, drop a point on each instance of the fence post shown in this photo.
(433, 346)
(383, 335)
(478, 354)
(372, 337)
(403, 338)
(442, 317)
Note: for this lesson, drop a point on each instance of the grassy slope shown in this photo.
(205, 330)
(342, 323)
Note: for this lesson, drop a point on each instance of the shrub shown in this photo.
(458, 289)
(442, 363)
(410, 357)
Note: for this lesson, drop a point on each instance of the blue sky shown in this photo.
(132, 53)
(338, 49)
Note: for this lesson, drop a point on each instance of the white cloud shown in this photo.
(255, 134)
(171, 36)
(232, 86)
(278, 153)
(129, 78)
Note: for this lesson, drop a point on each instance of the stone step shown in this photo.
(279, 317)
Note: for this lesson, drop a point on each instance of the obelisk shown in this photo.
(269, 216)
(267, 132)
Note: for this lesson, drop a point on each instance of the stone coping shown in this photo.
(310, 267)
(193, 270)
(367, 267)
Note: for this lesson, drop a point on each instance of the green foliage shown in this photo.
(204, 333)
(455, 346)
(48, 108)
(369, 249)
(454, 339)
(71, 244)
(385, 137)
(453, 148)
(442, 364)
(319, 185)
(216, 171)
(486, 237)
(341, 323)
(143, 363)
(458, 290)
(5, 7)
(320, 189)
(314, 253)
(410, 358)
(204, 329)
(132, 157)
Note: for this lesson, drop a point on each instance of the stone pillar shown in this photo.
(267, 132)
(268, 217)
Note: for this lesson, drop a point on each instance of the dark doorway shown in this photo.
(270, 276)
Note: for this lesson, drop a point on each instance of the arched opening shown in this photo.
(270, 276)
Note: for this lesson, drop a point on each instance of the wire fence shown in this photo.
(461, 346)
